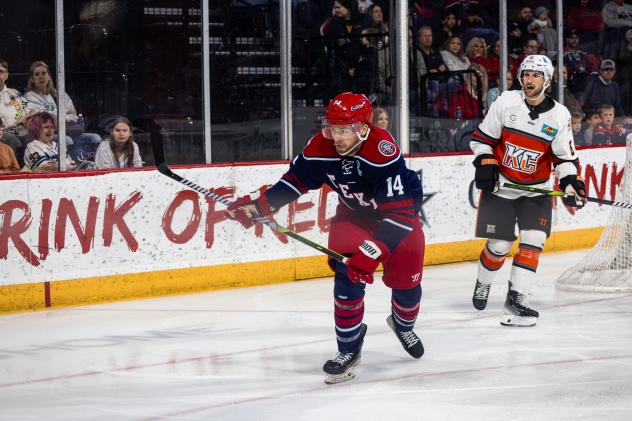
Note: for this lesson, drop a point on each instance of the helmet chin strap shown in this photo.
(546, 84)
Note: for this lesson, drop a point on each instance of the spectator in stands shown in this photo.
(475, 23)
(530, 47)
(430, 57)
(8, 162)
(453, 54)
(570, 101)
(495, 92)
(608, 133)
(617, 16)
(428, 60)
(12, 113)
(448, 30)
(42, 154)
(380, 118)
(593, 119)
(367, 63)
(576, 127)
(376, 14)
(342, 36)
(491, 62)
(425, 13)
(476, 49)
(384, 73)
(586, 19)
(624, 75)
(464, 102)
(514, 44)
(580, 64)
(41, 96)
(522, 21)
(542, 27)
(603, 89)
(119, 149)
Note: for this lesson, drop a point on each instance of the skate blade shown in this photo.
(339, 378)
(518, 321)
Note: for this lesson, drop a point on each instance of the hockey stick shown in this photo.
(562, 194)
(161, 165)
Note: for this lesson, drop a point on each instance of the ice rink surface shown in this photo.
(257, 354)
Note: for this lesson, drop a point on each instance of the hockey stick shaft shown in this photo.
(562, 194)
(164, 169)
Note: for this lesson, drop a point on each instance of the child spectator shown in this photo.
(380, 118)
(608, 133)
(543, 28)
(119, 150)
(8, 162)
(576, 127)
(42, 154)
(593, 119)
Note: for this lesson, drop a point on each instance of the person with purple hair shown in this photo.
(42, 154)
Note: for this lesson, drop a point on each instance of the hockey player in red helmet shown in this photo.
(523, 136)
(376, 222)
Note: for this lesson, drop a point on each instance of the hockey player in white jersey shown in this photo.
(524, 134)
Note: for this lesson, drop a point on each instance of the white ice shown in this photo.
(257, 354)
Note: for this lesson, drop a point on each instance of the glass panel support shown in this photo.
(286, 79)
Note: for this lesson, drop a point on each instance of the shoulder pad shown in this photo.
(319, 147)
(379, 149)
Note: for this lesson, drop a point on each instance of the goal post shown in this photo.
(607, 267)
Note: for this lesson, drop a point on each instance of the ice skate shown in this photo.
(517, 310)
(409, 339)
(481, 293)
(343, 366)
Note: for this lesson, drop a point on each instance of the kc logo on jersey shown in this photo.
(521, 159)
(548, 130)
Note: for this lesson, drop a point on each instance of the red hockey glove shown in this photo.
(363, 263)
(575, 189)
(486, 172)
(247, 207)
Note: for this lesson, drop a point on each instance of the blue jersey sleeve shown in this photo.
(300, 178)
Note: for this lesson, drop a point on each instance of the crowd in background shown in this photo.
(454, 71)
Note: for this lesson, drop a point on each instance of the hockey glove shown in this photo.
(363, 263)
(486, 172)
(248, 207)
(575, 189)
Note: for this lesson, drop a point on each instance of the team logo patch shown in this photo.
(386, 148)
(521, 159)
(548, 130)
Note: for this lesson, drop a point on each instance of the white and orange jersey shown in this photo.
(527, 146)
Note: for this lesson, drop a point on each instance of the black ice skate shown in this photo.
(481, 293)
(409, 340)
(517, 310)
(342, 367)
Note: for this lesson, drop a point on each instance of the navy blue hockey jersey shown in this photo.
(375, 183)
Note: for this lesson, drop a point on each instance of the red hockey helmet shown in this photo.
(348, 108)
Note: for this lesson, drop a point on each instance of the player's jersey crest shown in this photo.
(386, 148)
(521, 159)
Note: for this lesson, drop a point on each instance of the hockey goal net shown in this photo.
(608, 265)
